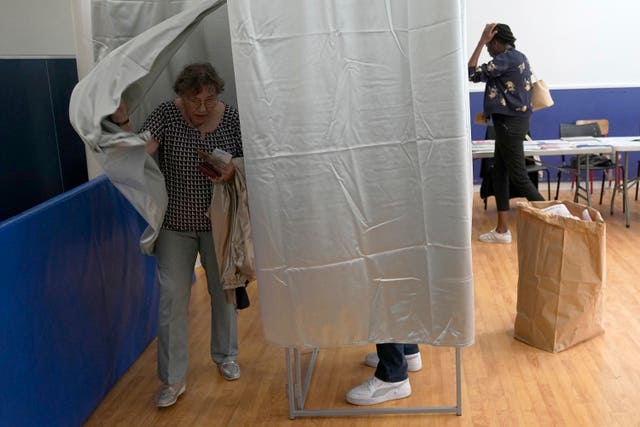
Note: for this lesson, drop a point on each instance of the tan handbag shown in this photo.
(540, 95)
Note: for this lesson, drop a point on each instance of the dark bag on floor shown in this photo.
(595, 161)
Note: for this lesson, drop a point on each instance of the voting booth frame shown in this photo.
(298, 388)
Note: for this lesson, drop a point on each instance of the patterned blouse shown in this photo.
(508, 89)
(189, 190)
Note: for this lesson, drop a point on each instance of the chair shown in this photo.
(592, 129)
(604, 130)
(534, 168)
(603, 124)
(567, 131)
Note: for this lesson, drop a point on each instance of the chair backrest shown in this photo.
(568, 130)
(603, 123)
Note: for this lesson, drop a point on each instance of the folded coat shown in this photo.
(231, 229)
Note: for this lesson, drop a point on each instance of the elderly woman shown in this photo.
(507, 100)
(195, 120)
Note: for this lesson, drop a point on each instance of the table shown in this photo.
(556, 147)
(624, 146)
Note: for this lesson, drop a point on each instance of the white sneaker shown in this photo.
(414, 361)
(494, 237)
(374, 391)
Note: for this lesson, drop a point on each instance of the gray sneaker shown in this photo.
(229, 370)
(169, 393)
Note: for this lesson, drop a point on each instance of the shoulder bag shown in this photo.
(540, 94)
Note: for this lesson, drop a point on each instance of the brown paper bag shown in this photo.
(561, 263)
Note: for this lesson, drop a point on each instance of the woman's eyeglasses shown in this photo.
(208, 102)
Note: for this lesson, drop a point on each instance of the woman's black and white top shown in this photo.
(189, 190)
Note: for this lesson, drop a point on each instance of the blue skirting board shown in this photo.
(78, 304)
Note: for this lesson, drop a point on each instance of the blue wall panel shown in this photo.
(78, 304)
(63, 76)
(42, 155)
(29, 165)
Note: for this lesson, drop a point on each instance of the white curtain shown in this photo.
(356, 138)
(137, 71)
(101, 26)
(354, 119)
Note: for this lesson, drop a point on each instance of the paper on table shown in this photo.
(531, 146)
(550, 145)
(580, 138)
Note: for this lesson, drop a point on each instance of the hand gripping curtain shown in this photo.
(354, 120)
(128, 72)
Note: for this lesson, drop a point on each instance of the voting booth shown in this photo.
(355, 129)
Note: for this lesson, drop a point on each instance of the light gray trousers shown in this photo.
(176, 254)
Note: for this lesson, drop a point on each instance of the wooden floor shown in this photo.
(504, 382)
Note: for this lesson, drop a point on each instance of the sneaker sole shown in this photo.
(493, 237)
(230, 378)
(394, 395)
(495, 241)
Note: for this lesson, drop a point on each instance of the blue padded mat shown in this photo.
(78, 304)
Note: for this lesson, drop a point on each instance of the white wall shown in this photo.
(40, 28)
(569, 43)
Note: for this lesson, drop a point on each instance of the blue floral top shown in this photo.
(508, 89)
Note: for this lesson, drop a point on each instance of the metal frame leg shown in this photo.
(624, 188)
(297, 392)
(579, 186)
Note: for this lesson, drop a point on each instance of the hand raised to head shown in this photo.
(488, 33)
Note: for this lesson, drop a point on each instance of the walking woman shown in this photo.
(507, 101)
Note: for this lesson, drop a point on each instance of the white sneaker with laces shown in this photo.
(168, 394)
(494, 237)
(414, 361)
(374, 391)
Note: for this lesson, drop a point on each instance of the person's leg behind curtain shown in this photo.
(391, 379)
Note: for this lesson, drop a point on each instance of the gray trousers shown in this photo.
(176, 254)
